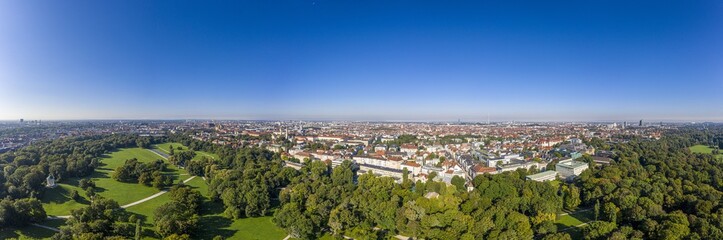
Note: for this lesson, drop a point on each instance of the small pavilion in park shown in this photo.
(50, 181)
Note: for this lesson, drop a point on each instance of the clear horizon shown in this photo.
(362, 61)
(630, 121)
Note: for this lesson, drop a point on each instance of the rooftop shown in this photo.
(542, 174)
(571, 164)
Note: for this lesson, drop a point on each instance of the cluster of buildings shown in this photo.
(424, 150)
(566, 170)
(421, 150)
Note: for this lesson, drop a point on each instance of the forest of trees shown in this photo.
(181, 158)
(180, 215)
(103, 219)
(244, 180)
(658, 190)
(247, 186)
(502, 206)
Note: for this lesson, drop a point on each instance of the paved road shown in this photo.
(582, 210)
(46, 227)
(577, 226)
(159, 153)
(152, 196)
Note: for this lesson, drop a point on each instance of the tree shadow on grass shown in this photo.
(56, 195)
(583, 216)
(212, 223)
(27, 231)
(149, 232)
(210, 207)
(102, 165)
(83, 201)
(73, 181)
(143, 219)
(8, 233)
(99, 175)
(561, 226)
(215, 225)
(56, 223)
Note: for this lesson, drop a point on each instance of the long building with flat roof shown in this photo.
(543, 176)
(569, 169)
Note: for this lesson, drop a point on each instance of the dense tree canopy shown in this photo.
(659, 189)
(20, 212)
(103, 219)
(145, 173)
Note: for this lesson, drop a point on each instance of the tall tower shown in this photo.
(641, 123)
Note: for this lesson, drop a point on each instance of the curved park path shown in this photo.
(152, 196)
(163, 155)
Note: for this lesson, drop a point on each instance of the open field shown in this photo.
(57, 200)
(704, 149)
(199, 184)
(572, 220)
(213, 223)
(701, 149)
(116, 159)
(165, 148)
(125, 193)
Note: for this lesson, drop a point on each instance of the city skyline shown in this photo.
(375, 61)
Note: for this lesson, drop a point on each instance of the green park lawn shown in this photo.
(147, 208)
(704, 149)
(164, 147)
(213, 223)
(57, 200)
(118, 158)
(572, 220)
(701, 149)
(199, 184)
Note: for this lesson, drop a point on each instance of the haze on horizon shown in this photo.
(362, 60)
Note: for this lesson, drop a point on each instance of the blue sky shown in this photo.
(362, 60)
